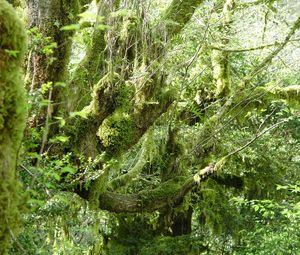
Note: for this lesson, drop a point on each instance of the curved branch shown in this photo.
(169, 193)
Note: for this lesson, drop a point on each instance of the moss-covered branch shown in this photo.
(91, 68)
(169, 193)
(220, 58)
(12, 118)
(178, 14)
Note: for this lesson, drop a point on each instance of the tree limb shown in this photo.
(273, 54)
(178, 14)
(251, 48)
(169, 193)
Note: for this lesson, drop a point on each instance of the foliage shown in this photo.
(152, 93)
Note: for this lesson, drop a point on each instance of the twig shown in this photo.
(27, 170)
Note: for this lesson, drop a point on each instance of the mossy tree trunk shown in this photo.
(48, 17)
(51, 47)
(12, 118)
(220, 59)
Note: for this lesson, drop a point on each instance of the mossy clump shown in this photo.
(12, 118)
(117, 132)
(221, 72)
(167, 190)
(124, 94)
(110, 93)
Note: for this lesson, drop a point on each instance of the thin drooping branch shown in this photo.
(252, 48)
(257, 136)
(273, 54)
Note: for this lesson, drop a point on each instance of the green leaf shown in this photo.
(81, 114)
(45, 102)
(91, 16)
(103, 27)
(121, 13)
(46, 86)
(255, 207)
(61, 120)
(56, 176)
(62, 139)
(68, 169)
(60, 84)
(34, 155)
(280, 187)
(12, 53)
(70, 27)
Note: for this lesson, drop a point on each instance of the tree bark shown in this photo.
(48, 16)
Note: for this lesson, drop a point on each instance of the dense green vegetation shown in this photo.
(153, 127)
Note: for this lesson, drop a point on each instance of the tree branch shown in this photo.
(256, 137)
(251, 48)
(269, 58)
(178, 14)
(169, 193)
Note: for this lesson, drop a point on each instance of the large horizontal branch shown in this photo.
(169, 193)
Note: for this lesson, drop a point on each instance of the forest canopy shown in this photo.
(149, 127)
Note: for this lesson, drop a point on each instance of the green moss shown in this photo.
(116, 131)
(124, 94)
(221, 72)
(111, 92)
(12, 118)
(168, 189)
(179, 13)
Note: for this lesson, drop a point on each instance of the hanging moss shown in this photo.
(12, 118)
(221, 72)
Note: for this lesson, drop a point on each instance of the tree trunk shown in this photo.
(12, 118)
(51, 48)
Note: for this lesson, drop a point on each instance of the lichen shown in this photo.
(12, 118)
